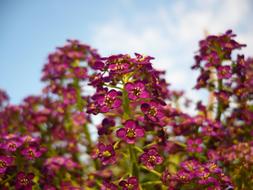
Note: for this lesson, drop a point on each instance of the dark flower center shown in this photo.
(152, 111)
(2, 164)
(137, 91)
(130, 133)
(108, 101)
(12, 146)
(31, 153)
(24, 181)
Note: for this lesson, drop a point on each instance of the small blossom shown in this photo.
(24, 181)
(130, 184)
(110, 100)
(130, 132)
(194, 145)
(32, 152)
(150, 158)
(11, 145)
(78, 118)
(136, 90)
(5, 161)
(224, 72)
(152, 111)
(105, 153)
(108, 186)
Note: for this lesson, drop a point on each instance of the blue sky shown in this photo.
(167, 30)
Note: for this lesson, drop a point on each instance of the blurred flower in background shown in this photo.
(166, 30)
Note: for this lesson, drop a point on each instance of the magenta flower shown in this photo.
(118, 63)
(105, 153)
(224, 72)
(5, 161)
(11, 145)
(54, 164)
(24, 181)
(150, 158)
(190, 165)
(110, 100)
(152, 111)
(32, 152)
(108, 186)
(130, 132)
(78, 118)
(130, 184)
(136, 90)
(194, 145)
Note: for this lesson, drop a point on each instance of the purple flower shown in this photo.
(11, 145)
(150, 158)
(24, 181)
(5, 161)
(194, 145)
(110, 100)
(190, 165)
(105, 153)
(32, 152)
(130, 184)
(152, 111)
(54, 164)
(184, 176)
(224, 72)
(108, 186)
(136, 90)
(130, 132)
(118, 63)
(213, 168)
(78, 118)
(107, 123)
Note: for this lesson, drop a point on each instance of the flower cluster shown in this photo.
(144, 139)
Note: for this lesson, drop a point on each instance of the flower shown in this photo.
(107, 123)
(108, 101)
(130, 184)
(5, 161)
(130, 132)
(105, 153)
(150, 158)
(11, 145)
(224, 72)
(194, 145)
(32, 152)
(152, 111)
(136, 90)
(108, 186)
(189, 165)
(24, 181)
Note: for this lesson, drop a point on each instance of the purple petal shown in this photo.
(121, 133)
(139, 132)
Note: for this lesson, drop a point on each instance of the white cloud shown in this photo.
(172, 33)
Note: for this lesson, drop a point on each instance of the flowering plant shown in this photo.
(144, 139)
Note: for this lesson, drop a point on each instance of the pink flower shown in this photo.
(130, 184)
(5, 161)
(136, 90)
(150, 158)
(194, 145)
(24, 181)
(130, 132)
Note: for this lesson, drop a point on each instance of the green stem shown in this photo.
(80, 103)
(152, 171)
(151, 183)
(220, 105)
(134, 166)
